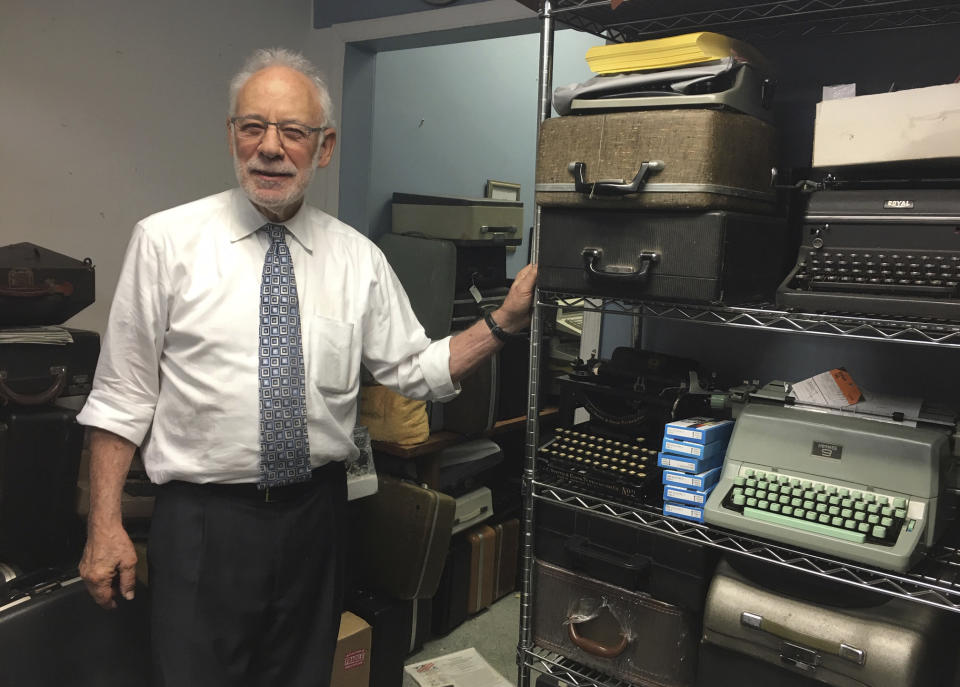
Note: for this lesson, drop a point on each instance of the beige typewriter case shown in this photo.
(458, 219)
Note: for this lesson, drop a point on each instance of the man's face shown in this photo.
(274, 171)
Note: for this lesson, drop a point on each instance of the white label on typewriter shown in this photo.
(683, 448)
(684, 495)
(680, 479)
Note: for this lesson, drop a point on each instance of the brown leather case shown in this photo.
(483, 552)
(626, 635)
(505, 565)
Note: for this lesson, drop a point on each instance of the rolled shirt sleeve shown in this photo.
(126, 384)
(396, 349)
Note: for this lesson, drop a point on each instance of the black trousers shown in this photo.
(247, 592)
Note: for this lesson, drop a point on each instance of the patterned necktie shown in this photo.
(284, 448)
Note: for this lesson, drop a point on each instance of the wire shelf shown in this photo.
(936, 582)
(931, 333)
(763, 20)
(568, 671)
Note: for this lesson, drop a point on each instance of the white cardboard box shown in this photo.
(916, 124)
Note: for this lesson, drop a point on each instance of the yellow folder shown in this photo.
(667, 53)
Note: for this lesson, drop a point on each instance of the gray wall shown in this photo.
(327, 12)
(114, 109)
(447, 118)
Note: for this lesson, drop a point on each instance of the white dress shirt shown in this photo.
(178, 371)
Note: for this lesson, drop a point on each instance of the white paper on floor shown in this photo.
(465, 668)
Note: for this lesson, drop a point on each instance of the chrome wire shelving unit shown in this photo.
(936, 581)
(769, 318)
(756, 20)
(570, 672)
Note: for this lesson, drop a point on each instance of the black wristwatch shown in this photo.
(495, 329)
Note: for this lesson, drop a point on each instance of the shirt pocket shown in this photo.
(330, 346)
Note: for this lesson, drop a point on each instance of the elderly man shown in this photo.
(232, 358)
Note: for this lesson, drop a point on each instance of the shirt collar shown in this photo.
(246, 219)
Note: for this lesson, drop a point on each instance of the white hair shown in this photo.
(281, 57)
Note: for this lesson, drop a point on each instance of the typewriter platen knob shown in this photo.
(817, 241)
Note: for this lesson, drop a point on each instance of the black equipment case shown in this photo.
(52, 634)
(35, 373)
(40, 450)
(450, 601)
(39, 286)
(399, 627)
(672, 570)
(711, 257)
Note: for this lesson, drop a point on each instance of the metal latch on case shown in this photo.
(799, 657)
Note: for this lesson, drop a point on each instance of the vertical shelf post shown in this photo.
(532, 433)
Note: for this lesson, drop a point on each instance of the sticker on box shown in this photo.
(700, 430)
(689, 481)
(678, 510)
(697, 497)
(687, 464)
(688, 448)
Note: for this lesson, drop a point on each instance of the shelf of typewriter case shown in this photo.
(766, 19)
(935, 581)
(768, 318)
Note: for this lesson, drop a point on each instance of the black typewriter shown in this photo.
(882, 252)
(588, 459)
(629, 399)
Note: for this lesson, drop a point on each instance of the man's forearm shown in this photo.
(471, 347)
(110, 458)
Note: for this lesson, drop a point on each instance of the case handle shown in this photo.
(640, 275)
(59, 374)
(470, 516)
(791, 638)
(594, 647)
(583, 548)
(485, 229)
(578, 171)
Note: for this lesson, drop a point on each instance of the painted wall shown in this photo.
(327, 12)
(447, 118)
(114, 109)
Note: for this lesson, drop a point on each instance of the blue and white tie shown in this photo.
(284, 447)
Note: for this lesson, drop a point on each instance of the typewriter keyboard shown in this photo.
(600, 463)
(819, 507)
(625, 460)
(928, 275)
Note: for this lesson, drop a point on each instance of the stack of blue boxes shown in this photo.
(691, 458)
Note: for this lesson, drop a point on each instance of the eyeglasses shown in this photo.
(252, 129)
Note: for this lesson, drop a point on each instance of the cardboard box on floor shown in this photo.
(351, 662)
